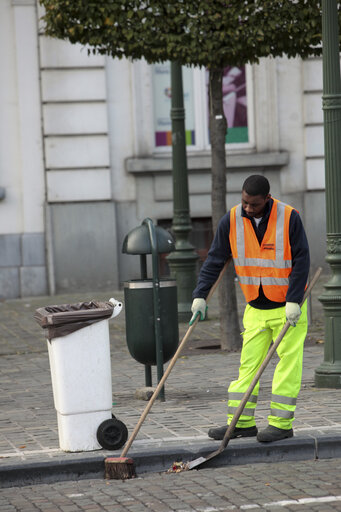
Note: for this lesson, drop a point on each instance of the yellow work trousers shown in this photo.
(261, 326)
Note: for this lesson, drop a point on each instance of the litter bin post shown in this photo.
(156, 303)
(143, 240)
(79, 354)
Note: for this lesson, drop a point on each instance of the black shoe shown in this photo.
(271, 433)
(218, 433)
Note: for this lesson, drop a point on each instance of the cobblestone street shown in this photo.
(146, 148)
(302, 486)
(195, 401)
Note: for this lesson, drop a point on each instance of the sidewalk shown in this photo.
(196, 393)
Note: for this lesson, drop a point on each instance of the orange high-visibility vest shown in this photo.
(268, 264)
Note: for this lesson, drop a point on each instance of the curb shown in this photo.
(156, 460)
(328, 447)
(32, 473)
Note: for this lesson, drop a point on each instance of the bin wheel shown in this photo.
(112, 434)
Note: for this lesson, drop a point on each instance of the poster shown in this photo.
(235, 103)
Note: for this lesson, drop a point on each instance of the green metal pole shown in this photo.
(328, 374)
(147, 368)
(182, 261)
(156, 305)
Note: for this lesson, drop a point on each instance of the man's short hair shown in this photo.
(256, 185)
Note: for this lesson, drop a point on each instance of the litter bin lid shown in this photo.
(137, 241)
(67, 318)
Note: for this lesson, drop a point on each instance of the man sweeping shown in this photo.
(269, 247)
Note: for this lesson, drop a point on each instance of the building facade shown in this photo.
(85, 153)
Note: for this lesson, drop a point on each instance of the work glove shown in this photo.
(198, 308)
(292, 312)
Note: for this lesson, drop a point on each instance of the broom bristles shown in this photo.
(119, 468)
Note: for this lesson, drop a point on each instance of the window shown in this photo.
(237, 107)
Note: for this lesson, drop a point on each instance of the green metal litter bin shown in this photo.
(140, 322)
(151, 305)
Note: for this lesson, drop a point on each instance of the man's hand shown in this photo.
(198, 308)
(292, 312)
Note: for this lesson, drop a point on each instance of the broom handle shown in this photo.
(261, 369)
(170, 367)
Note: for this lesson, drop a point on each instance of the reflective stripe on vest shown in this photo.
(271, 265)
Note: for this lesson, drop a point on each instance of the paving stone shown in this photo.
(196, 390)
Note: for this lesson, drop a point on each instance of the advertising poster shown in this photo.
(235, 103)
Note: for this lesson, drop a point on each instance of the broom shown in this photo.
(122, 468)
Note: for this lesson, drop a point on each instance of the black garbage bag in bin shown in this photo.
(67, 318)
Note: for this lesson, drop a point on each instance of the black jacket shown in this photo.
(220, 251)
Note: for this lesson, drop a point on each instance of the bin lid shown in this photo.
(137, 241)
(60, 320)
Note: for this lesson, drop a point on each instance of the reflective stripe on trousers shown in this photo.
(234, 400)
(261, 327)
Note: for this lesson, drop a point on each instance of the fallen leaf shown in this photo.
(177, 467)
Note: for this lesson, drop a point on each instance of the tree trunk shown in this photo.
(228, 312)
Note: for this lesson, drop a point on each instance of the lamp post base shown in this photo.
(182, 266)
(328, 376)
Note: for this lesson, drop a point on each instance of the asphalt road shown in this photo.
(302, 486)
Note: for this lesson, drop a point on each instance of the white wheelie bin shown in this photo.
(79, 354)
